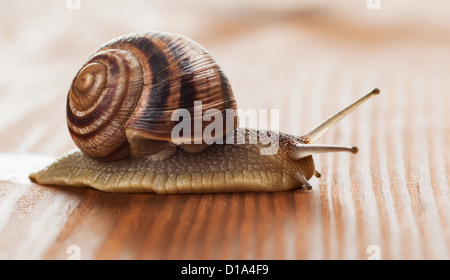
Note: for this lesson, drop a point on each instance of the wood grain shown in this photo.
(308, 60)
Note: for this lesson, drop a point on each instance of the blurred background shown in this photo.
(277, 54)
(306, 58)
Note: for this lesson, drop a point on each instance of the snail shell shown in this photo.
(123, 96)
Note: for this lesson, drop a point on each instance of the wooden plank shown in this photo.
(392, 197)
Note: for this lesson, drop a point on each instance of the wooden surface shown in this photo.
(308, 59)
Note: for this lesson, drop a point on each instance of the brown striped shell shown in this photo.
(125, 93)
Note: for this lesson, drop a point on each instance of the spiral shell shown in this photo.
(131, 86)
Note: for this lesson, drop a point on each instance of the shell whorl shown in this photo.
(101, 100)
(134, 83)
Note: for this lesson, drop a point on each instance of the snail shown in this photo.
(120, 114)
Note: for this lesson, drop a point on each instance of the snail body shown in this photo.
(219, 168)
(120, 110)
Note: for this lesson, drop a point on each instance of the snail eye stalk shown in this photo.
(314, 135)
